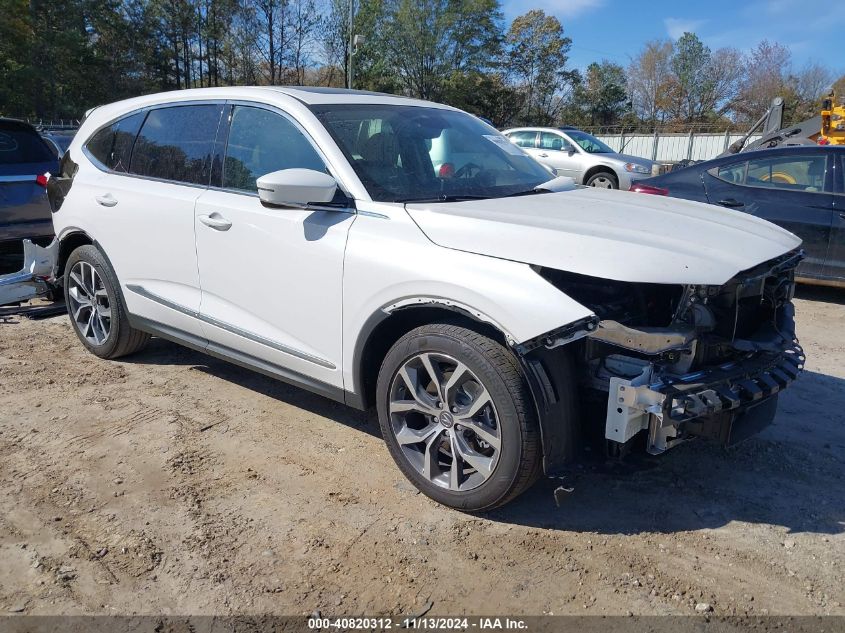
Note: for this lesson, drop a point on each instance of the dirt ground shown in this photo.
(173, 483)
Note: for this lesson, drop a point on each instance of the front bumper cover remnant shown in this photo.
(673, 407)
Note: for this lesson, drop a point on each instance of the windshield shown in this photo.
(406, 153)
(589, 143)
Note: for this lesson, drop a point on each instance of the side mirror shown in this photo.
(571, 151)
(296, 188)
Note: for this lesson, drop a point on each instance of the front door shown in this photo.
(271, 278)
(791, 189)
(557, 152)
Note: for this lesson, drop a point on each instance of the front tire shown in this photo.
(95, 306)
(457, 417)
(603, 180)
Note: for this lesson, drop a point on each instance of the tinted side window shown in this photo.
(261, 142)
(177, 143)
(523, 139)
(554, 142)
(733, 173)
(792, 173)
(112, 145)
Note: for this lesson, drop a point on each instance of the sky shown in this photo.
(616, 29)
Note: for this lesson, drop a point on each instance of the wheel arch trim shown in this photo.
(357, 396)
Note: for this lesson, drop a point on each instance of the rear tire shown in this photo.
(96, 308)
(603, 180)
(479, 408)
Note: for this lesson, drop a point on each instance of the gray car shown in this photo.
(571, 152)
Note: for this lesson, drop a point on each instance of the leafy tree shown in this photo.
(16, 41)
(537, 52)
(487, 95)
(690, 66)
(601, 95)
(430, 40)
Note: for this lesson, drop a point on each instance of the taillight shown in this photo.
(823, 140)
(447, 170)
(42, 179)
(657, 191)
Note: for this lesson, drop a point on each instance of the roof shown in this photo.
(272, 95)
(542, 128)
(318, 95)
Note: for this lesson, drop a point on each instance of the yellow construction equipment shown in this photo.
(833, 122)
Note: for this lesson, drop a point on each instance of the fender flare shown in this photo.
(357, 397)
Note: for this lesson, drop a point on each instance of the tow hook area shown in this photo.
(632, 406)
(701, 403)
(36, 276)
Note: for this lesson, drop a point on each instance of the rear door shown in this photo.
(142, 211)
(791, 188)
(526, 139)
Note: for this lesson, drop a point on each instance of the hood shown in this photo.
(609, 234)
(621, 159)
(627, 158)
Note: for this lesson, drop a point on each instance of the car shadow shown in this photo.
(790, 475)
(825, 294)
(162, 352)
(318, 224)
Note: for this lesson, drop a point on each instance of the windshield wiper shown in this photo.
(527, 192)
(444, 198)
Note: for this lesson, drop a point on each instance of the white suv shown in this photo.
(395, 253)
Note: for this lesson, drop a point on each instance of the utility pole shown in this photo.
(351, 43)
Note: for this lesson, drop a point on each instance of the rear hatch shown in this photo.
(24, 209)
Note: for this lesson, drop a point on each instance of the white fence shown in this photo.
(665, 147)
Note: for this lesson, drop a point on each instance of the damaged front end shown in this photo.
(664, 363)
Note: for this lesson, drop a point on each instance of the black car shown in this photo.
(25, 159)
(798, 188)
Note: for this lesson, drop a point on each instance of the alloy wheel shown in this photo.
(89, 306)
(444, 421)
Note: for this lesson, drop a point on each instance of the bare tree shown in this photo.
(335, 41)
(649, 74)
(813, 82)
(303, 22)
(271, 13)
(767, 68)
(723, 79)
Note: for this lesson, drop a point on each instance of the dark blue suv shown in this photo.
(25, 159)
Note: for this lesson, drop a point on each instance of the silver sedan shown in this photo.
(571, 152)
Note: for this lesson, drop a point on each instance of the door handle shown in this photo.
(731, 203)
(544, 155)
(106, 200)
(216, 222)
(842, 215)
